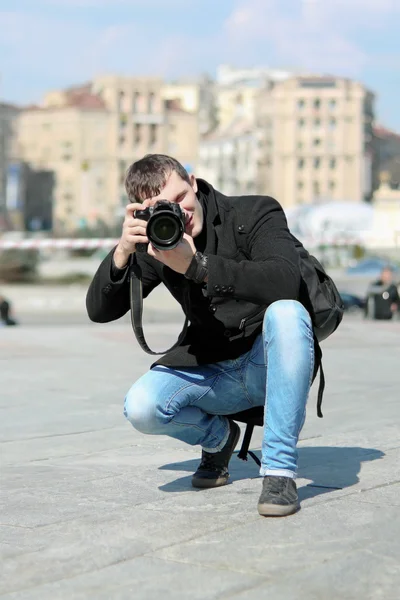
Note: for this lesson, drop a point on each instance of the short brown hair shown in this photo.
(147, 177)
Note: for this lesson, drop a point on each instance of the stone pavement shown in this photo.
(92, 509)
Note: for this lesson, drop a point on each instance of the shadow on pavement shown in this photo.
(329, 469)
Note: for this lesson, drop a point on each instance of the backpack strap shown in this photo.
(321, 387)
(244, 450)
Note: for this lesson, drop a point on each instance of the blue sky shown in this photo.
(48, 44)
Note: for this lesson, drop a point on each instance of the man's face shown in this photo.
(387, 276)
(180, 192)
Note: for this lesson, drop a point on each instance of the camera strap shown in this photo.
(136, 302)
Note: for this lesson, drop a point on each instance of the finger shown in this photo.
(136, 239)
(130, 208)
(135, 230)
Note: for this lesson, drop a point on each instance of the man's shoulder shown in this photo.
(248, 202)
(250, 208)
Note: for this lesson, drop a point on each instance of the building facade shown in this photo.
(322, 140)
(8, 114)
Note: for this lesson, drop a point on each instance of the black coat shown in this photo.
(252, 262)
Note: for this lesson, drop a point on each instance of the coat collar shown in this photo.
(208, 198)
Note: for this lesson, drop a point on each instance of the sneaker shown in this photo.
(278, 497)
(213, 469)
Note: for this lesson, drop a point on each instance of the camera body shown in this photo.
(165, 225)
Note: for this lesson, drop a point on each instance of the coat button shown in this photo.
(231, 289)
(224, 289)
(227, 333)
(217, 288)
(213, 309)
(241, 228)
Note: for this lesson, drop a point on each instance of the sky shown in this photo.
(51, 44)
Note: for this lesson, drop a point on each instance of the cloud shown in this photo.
(312, 35)
(41, 50)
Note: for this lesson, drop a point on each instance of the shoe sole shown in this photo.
(277, 510)
(204, 483)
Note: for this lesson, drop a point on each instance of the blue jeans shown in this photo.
(189, 404)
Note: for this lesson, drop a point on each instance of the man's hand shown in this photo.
(179, 258)
(133, 232)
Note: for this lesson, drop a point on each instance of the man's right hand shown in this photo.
(133, 232)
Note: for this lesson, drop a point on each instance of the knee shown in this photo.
(140, 408)
(287, 316)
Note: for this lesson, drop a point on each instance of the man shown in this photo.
(250, 341)
(383, 300)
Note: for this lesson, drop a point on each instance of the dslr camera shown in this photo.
(165, 225)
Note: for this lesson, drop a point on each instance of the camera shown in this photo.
(165, 225)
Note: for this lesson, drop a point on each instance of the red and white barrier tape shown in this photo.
(70, 244)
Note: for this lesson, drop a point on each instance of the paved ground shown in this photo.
(92, 509)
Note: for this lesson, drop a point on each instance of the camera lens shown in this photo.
(165, 231)
(164, 228)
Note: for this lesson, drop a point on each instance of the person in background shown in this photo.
(5, 313)
(387, 292)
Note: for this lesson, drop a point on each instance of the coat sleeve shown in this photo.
(108, 299)
(272, 273)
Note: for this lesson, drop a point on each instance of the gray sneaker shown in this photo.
(213, 469)
(278, 497)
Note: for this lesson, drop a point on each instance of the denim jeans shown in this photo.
(189, 404)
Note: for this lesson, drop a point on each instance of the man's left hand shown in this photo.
(177, 259)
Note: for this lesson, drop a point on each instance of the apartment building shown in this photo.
(89, 135)
(68, 136)
(322, 144)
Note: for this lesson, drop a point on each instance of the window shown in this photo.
(317, 103)
(151, 102)
(316, 142)
(121, 140)
(301, 123)
(123, 120)
(331, 185)
(153, 134)
(121, 97)
(332, 163)
(137, 133)
(332, 104)
(317, 83)
(300, 163)
(301, 104)
(300, 145)
(317, 123)
(332, 123)
(300, 185)
(317, 162)
(316, 189)
(136, 101)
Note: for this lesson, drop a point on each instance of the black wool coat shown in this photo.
(253, 261)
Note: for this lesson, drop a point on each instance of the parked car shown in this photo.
(352, 303)
(372, 267)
